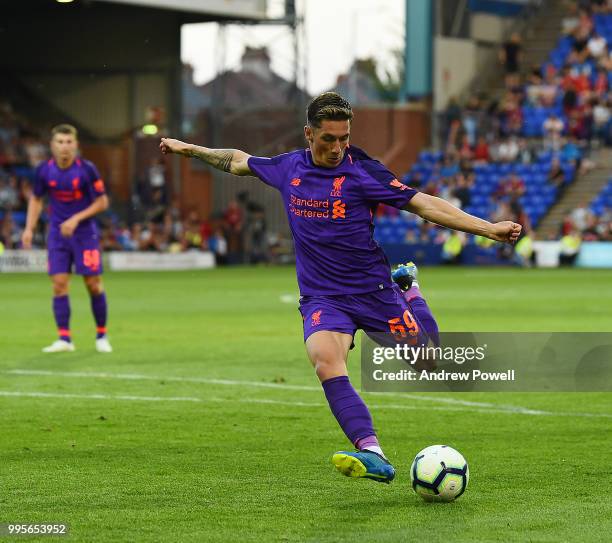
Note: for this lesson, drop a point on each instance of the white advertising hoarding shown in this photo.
(23, 261)
(137, 261)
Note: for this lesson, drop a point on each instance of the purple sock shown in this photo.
(98, 307)
(348, 408)
(61, 311)
(419, 308)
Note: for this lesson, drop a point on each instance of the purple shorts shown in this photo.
(384, 312)
(82, 250)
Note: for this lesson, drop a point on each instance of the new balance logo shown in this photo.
(296, 181)
(339, 210)
(398, 185)
(337, 187)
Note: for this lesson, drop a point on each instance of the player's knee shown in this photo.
(60, 287)
(327, 366)
(94, 285)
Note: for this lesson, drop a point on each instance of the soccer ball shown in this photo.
(439, 473)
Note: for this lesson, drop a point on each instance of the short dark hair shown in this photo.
(328, 106)
(66, 129)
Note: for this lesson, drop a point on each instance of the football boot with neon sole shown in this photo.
(404, 275)
(364, 464)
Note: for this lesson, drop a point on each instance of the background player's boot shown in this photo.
(404, 275)
(59, 346)
(103, 345)
(365, 464)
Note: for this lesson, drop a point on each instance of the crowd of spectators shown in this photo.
(528, 145)
(236, 235)
(545, 123)
(154, 221)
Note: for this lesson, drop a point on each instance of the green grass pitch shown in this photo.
(207, 423)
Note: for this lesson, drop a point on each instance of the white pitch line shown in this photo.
(483, 406)
(124, 397)
(191, 399)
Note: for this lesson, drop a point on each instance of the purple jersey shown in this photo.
(70, 191)
(330, 213)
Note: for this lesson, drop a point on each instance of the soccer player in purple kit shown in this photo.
(330, 191)
(76, 193)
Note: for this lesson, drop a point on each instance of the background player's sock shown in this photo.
(420, 309)
(61, 311)
(348, 408)
(99, 309)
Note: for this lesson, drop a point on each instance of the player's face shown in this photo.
(329, 142)
(64, 147)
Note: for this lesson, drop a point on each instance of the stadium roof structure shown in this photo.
(239, 9)
(188, 11)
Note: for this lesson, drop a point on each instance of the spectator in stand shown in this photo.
(157, 208)
(510, 189)
(9, 196)
(192, 235)
(218, 245)
(453, 118)
(481, 151)
(108, 237)
(525, 152)
(553, 128)
(508, 150)
(570, 94)
(597, 46)
(9, 233)
(556, 175)
(511, 56)
(462, 190)
(601, 121)
(151, 238)
(571, 153)
(449, 167)
(124, 238)
(25, 191)
(472, 115)
(234, 223)
(136, 236)
(601, 83)
(503, 212)
(581, 216)
(157, 175)
(580, 51)
(465, 151)
(591, 230)
(511, 117)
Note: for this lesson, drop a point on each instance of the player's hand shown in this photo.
(69, 226)
(168, 145)
(26, 239)
(505, 231)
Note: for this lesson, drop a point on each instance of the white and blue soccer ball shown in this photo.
(439, 474)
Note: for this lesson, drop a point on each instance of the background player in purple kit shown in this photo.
(76, 193)
(330, 191)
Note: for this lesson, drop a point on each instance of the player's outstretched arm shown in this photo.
(35, 206)
(441, 212)
(232, 161)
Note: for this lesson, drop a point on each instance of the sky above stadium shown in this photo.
(336, 32)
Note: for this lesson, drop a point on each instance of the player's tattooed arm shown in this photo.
(441, 212)
(232, 161)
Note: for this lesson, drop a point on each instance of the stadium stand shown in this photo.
(514, 158)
